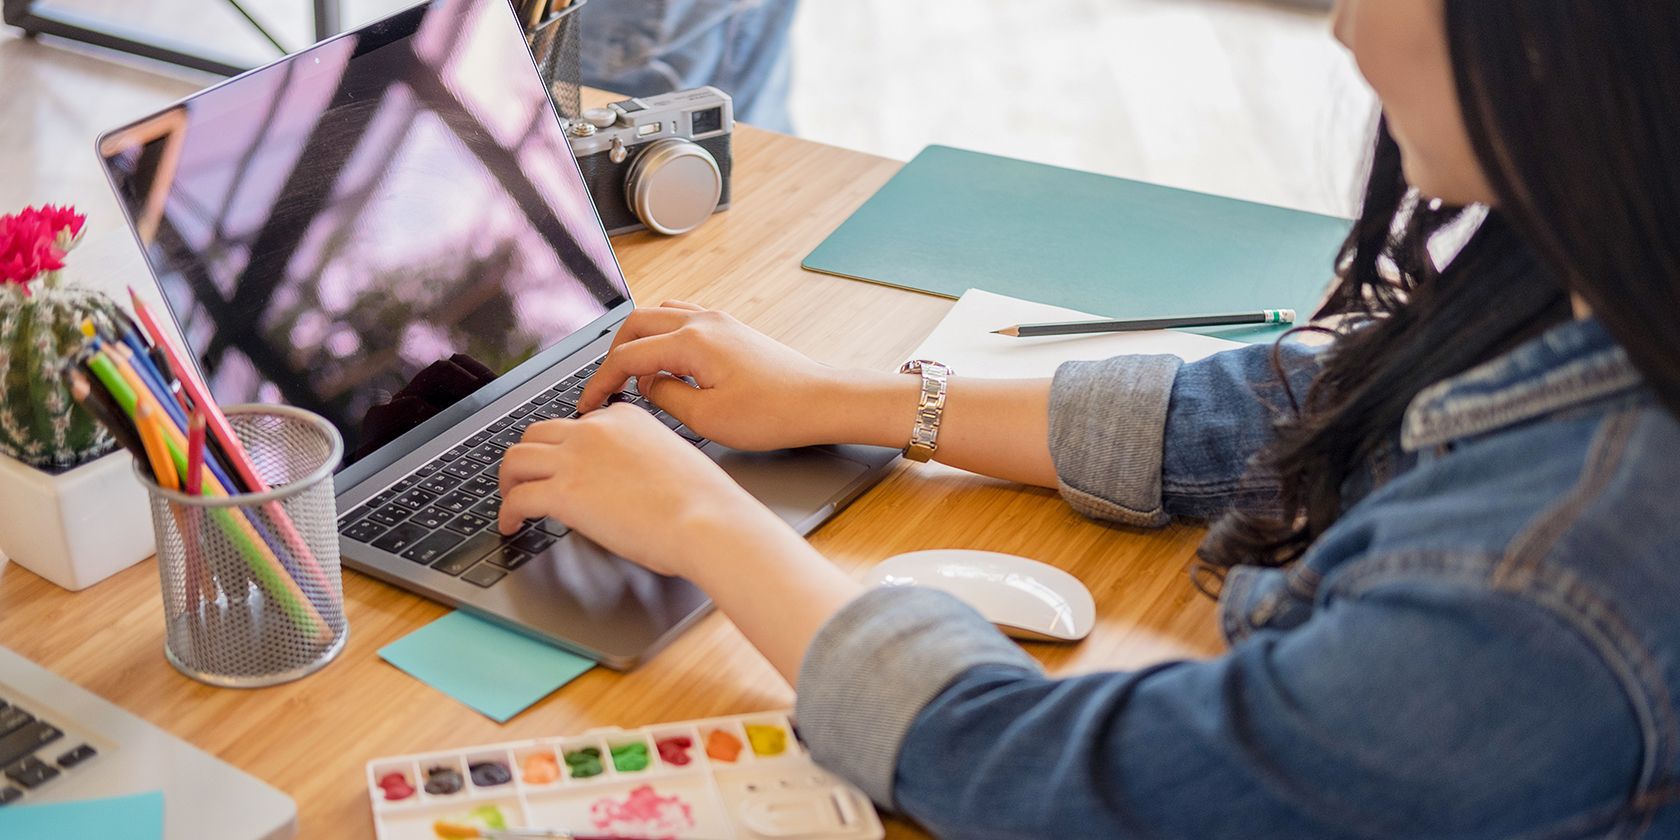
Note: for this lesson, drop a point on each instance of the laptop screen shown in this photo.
(372, 229)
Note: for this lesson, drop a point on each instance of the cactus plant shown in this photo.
(40, 328)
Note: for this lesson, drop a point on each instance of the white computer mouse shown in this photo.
(1024, 598)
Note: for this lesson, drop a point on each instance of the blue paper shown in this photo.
(138, 817)
(490, 668)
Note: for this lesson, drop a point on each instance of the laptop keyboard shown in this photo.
(33, 752)
(443, 515)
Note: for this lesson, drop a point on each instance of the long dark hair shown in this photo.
(1571, 108)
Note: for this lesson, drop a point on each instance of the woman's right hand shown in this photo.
(750, 392)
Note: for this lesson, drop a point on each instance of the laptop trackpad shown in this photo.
(795, 483)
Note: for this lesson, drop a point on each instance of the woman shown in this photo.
(1447, 543)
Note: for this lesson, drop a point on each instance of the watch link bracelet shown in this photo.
(930, 409)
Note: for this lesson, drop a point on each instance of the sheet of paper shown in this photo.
(964, 340)
(138, 817)
(492, 669)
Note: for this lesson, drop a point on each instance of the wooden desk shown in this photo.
(311, 738)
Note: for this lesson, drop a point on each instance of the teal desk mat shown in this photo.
(488, 667)
(952, 220)
(138, 817)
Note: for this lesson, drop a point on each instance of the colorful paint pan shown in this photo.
(660, 781)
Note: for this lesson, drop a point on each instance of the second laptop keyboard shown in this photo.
(443, 515)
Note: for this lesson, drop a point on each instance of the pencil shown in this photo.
(97, 403)
(1265, 316)
(195, 452)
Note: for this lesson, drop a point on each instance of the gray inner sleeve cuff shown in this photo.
(873, 668)
(1108, 423)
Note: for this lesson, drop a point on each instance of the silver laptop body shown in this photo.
(85, 748)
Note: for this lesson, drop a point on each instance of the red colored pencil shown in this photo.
(195, 452)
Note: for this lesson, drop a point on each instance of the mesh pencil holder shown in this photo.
(554, 46)
(252, 592)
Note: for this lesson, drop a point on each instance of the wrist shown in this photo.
(873, 408)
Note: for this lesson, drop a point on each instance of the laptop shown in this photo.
(388, 229)
(59, 743)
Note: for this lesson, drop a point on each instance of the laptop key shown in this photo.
(389, 515)
(469, 523)
(400, 538)
(26, 741)
(688, 434)
(477, 439)
(429, 468)
(523, 423)
(533, 540)
(405, 483)
(551, 526)
(12, 719)
(499, 425)
(9, 794)
(431, 548)
(452, 454)
(432, 517)
(464, 468)
(670, 422)
(464, 555)
(489, 508)
(440, 483)
(547, 413)
(508, 557)
(482, 484)
(486, 453)
(521, 411)
(414, 499)
(457, 501)
(365, 531)
(76, 756)
(484, 575)
(382, 499)
(352, 516)
(507, 437)
(31, 773)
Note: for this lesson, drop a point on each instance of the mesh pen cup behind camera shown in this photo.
(252, 591)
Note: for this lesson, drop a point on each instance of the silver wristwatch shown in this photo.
(930, 409)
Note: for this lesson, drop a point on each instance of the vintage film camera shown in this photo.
(657, 162)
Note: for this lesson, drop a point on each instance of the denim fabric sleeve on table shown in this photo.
(1140, 439)
(1378, 719)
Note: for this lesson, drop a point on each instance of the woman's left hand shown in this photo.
(619, 477)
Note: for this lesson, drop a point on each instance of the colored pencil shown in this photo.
(1267, 316)
(195, 452)
(223, 435)
(97, 403)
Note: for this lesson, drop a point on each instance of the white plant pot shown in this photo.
(78, 527)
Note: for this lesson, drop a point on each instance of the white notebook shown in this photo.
(964, 340)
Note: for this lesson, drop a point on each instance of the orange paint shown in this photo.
(723, 746)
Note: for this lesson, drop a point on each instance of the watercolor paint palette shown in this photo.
(733, 778)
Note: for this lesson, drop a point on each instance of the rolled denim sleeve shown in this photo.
(1140, 439)
(1421, 711)
(875, 665)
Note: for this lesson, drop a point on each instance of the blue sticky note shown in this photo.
(138, 817)
(488, 667)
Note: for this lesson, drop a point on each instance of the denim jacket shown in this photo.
(647, 47)
(1485, 645)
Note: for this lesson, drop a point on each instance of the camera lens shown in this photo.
(707, 121)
